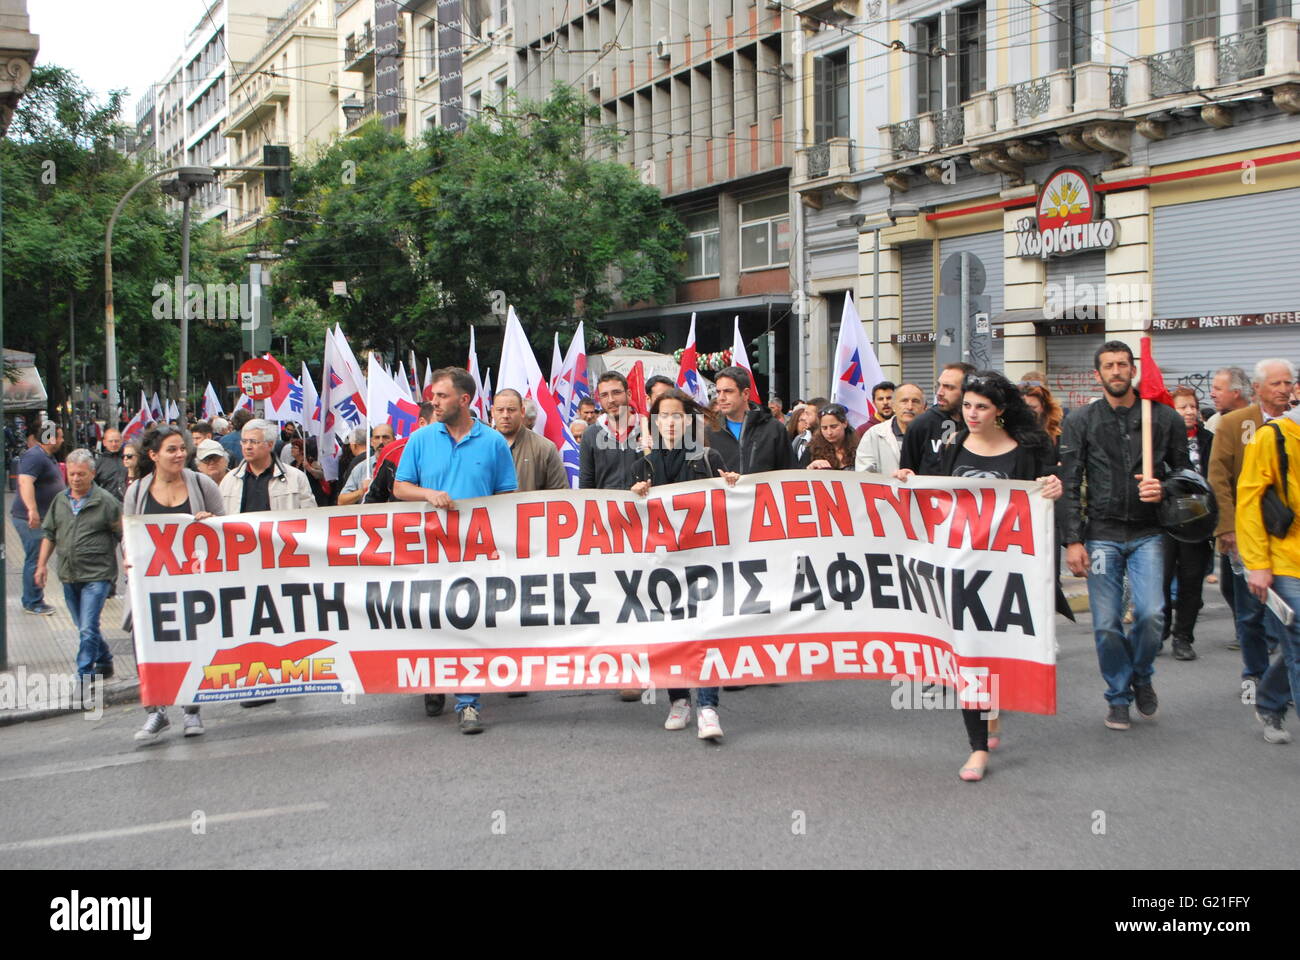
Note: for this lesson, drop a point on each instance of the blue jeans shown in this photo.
(1257, 629)
(464, 700)
(33, 596)
(1281, 680)
(85, 602)
(1130, 660)
(704, 696)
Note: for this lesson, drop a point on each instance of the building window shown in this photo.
(971, 28)
(765, 233)
(475, 104)
(501, 91)
(1080, 31)
(503, 13)
(1200, 20)
(929, 67)
(429, 48)
(831, 84)
(702, 249)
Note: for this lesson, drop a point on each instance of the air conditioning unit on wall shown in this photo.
(593, 82)
(663, 48)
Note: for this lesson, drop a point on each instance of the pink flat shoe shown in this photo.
(972, 774)
(995, 741)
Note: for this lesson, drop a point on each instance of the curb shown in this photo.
(126, 691)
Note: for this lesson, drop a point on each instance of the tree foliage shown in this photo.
(424, 234)
(62, 178)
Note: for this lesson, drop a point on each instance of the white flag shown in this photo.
(740, 358)
(856, 368)
(479, 404)
(211, 403)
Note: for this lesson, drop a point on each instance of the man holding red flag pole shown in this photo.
(1119, 532)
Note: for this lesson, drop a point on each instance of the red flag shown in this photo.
(636, 389)
(1152, 385)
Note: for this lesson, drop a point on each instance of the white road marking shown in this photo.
(159, 827)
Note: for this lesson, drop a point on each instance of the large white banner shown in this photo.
(790, 576)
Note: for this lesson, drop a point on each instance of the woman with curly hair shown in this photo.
(1001, 440)
(834, 444)
(1049, 413)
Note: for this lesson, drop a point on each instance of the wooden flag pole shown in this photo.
(1148, 441)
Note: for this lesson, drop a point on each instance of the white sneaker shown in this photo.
(193, 725)
(679, 715)
(707, 722)
(154, 724)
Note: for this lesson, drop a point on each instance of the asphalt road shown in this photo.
(809, 775)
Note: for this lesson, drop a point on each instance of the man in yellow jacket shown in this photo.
(1273, 562)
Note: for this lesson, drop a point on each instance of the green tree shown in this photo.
(425, 234)
(62, 178)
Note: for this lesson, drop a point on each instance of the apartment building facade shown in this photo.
(936, 128)
(285, 94)
(702, 92)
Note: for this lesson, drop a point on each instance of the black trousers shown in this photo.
(1186, 563)
(977, 728)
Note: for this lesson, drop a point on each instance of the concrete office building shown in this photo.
(703, 91)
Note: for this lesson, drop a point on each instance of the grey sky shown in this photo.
(114, 44)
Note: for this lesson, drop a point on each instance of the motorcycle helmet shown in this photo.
(1188, 513)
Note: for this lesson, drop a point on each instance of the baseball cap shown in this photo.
(210, 448)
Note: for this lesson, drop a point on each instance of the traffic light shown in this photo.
(275, 181)
(760, 353)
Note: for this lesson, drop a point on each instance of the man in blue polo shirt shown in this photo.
(455, 458)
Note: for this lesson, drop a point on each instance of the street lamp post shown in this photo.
(183, 188)
(110, 327)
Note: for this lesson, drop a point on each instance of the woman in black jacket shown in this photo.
(1002, 440)
(1187, 563)
(678, 454)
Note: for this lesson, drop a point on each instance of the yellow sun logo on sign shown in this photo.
(1064, 198)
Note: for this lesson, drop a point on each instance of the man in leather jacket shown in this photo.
(1118, 532)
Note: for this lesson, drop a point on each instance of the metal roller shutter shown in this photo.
(918, 366)
(1070, 370)
(1231, 255)
(986, 246)
(1190, 357)
(917, 281)
(918, 287)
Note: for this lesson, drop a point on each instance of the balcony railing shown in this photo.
(819, 160)
(358, 46)
(1173, 71)
(1242, 55)
(830, 160)
(1031, 98)
(949, 126)
(1118, 87)
(369, 105)
(905, 138)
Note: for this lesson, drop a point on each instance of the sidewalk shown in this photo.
(46, 647)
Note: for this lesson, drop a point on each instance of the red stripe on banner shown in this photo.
(160, 682)
(1013, 684)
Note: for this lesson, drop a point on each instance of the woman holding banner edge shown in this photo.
(1002, 440)
(679, 453)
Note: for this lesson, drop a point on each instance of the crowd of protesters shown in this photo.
(1145, 571)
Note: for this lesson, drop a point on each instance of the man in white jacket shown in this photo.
(261, 481)
(880, 447)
